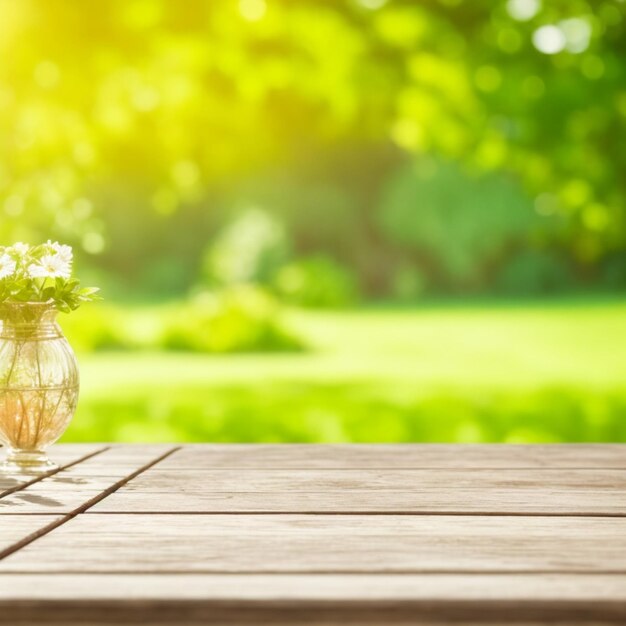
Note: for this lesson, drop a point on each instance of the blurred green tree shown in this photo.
(116, 123)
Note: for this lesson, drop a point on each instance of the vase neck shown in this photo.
(31, 321)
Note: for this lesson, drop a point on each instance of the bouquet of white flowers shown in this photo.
(42, 273)
(38, 369)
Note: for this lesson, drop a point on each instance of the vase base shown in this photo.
(31, 462)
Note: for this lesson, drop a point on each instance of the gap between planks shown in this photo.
(381, 468)
(52, 472)
(85, 506)
(422, 513)
(407, 573)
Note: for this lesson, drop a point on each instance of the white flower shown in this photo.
(64, 252)
(50, 266)
(7, 266)
(20, 248)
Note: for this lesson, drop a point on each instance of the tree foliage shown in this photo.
(117, 118)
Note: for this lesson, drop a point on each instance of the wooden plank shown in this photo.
(63, 455)
(381, 568)
(66, 453)
(314, 587)
(14, 528)
(200, 599)
(68, 489)
(403, 456)
(327, 544)
(502, 491)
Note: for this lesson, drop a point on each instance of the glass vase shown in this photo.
(38, 385)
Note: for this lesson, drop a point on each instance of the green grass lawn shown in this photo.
(526, 372)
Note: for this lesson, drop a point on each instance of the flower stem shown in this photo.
(43, 398)
(16, 353)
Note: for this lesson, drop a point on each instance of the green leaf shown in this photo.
(88, 291)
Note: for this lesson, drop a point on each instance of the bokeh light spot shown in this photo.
(252, 10)
(407, 133)
(577, 33)
(549, 39)
(523, 10)
(145, 99)
(93, 242)
(373, 5)
(596, 217)
(576, 193)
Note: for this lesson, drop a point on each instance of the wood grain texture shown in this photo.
(314, 587)
(403, 456)
(326, 544)
(63, 455)
(321, 535)
(266, 599)
(543, 492)
(13, 528)
(68, 489)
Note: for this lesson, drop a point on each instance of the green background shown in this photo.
(357, 220)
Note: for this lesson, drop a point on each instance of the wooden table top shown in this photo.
(299, 534)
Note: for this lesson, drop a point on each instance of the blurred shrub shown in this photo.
(249, 249)
(316, 282)
(241, 319)
(534, 272)
(456, 224)
(308, 412)
(317, 212)
(95, 328)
